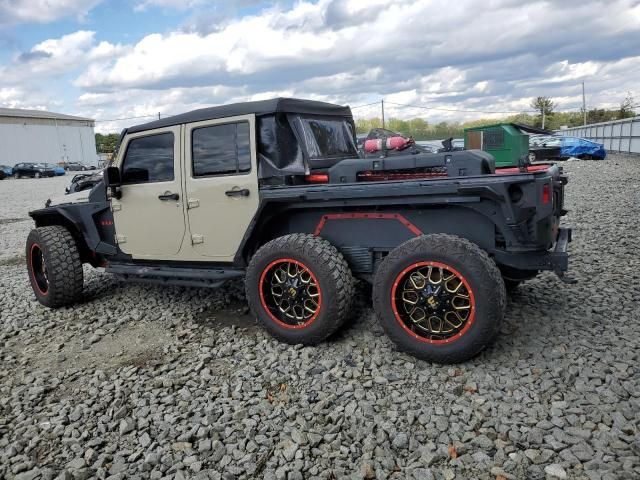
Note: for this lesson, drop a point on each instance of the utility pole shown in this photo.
(158, 115)
(543, 116)
(382, 104)
(584, 108)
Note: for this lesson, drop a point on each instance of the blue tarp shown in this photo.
(579, 147)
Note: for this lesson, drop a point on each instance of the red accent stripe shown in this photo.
(371, 216)
(528, 169)
(33, 272)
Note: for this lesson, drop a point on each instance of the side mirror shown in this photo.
(112, 181)
(112, 177)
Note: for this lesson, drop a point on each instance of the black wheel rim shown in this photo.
(433, 302)
(39, 269)
(290, 293)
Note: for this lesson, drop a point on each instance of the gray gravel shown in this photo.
(148, 382)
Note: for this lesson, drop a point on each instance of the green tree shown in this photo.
(545, 106)
(626, 107)
(106, 143)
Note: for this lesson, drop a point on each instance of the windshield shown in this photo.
(328, 137)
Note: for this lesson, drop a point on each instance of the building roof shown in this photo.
(20, 113)
(520, 126)
(261, 107)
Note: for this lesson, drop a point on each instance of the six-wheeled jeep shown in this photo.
(275, 191)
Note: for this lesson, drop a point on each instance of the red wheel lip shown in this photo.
(33, 273)
(264, 303)
(446, 341)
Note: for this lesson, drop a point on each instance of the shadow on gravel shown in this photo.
(11, 261)
(216, 319)
(6, 221)
(101, 287)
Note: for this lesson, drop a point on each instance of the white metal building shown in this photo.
(45, 137)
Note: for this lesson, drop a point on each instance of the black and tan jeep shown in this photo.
(275, 191)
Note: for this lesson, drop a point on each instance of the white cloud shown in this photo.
(421, 52)
(42, 11)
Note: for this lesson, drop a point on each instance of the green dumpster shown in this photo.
(505, 141)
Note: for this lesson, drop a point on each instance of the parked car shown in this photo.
(7, 170)
(57, 169)
(544, 147)
(84, 181)
(33, 170)
(582, 148)
(429, 147)
(76, 166)
(292, 208)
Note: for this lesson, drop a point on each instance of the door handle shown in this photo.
(169, 196)
(244, 192)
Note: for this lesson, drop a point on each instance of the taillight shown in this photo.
(546, 194)
(317, 178)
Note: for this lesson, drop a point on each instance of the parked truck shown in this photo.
(275, 192)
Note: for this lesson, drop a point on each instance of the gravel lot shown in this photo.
(149, 382)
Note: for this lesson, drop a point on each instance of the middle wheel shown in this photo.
(300, 288)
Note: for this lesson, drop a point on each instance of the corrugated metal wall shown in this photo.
(618, 136)
(46, 141)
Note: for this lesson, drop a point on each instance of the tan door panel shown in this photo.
(149, 223)
(220, 206)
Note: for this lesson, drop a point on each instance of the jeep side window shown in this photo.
(221, 149)
(149, 159)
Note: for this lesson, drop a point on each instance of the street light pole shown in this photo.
(584, 108)
(382, 105)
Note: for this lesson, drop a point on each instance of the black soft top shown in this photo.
(259, 108)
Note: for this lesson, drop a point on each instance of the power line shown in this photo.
(365, 105)
(124, 118)
(456, 109)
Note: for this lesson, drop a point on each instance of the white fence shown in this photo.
(618, 136)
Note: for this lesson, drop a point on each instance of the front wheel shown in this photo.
(36, 175)
(440, 298)
(300, 288)
(54, 266)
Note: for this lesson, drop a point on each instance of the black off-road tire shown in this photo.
(334, 278)
(480, 273)
(63, 282)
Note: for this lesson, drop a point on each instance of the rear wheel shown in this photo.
(36, 175)
(300, 288)
(54, 266)
(440, 298)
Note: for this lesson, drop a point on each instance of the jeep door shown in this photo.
(221, 184)
(149, 216)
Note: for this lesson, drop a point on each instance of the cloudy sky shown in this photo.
(115, 59)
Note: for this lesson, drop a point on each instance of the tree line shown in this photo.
(421, 129)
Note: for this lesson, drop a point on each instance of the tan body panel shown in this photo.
(218, 222)
(204, 224)
(147, 227)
